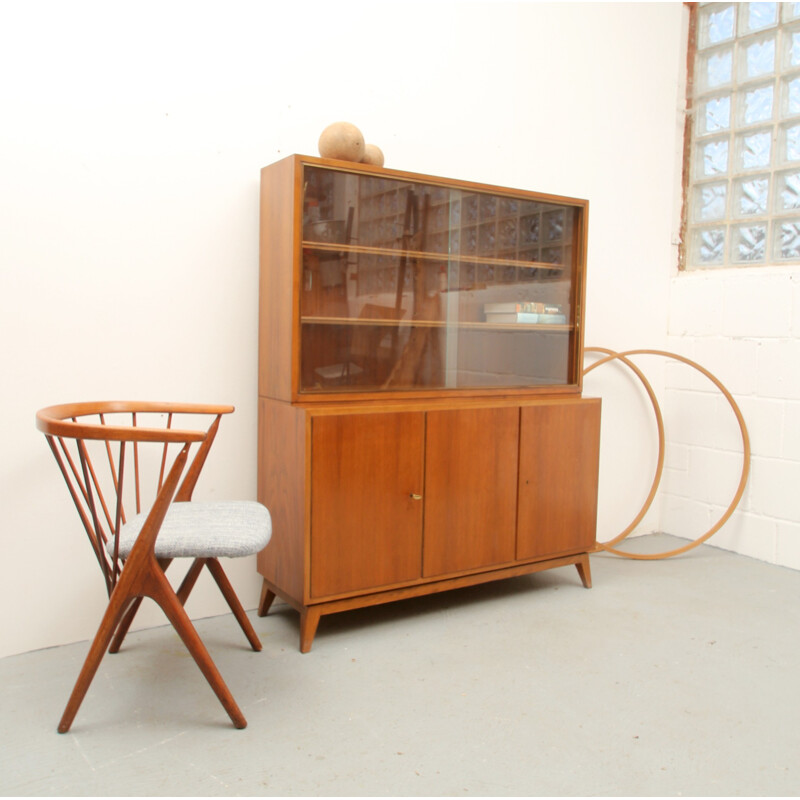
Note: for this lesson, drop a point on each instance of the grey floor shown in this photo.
(668, 678)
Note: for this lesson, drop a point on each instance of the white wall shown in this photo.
(747, 322)
(131, 138)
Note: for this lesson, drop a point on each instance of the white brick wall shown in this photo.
(744, 327)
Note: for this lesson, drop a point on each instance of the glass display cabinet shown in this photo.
(420, 419)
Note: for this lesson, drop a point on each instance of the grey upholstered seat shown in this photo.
(204, 530)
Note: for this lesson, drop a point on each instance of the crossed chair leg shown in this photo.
(132, 587)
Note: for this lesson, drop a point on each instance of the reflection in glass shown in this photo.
(397, 277)
(508, 234)
(555, 225)
(530, 229)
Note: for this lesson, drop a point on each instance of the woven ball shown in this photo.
(341, 140)
(373, 155)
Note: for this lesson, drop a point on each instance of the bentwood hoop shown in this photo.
(611, 355)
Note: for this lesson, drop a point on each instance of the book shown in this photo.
(526, 317)
(524, 307)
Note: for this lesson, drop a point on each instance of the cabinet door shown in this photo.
(366, 515)
(470, 489)
(559, 456)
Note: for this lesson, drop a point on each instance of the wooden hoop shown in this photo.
(611, 355)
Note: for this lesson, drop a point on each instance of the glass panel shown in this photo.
(746, 96)
(711, 158)
(710, 202)
(716, 25)
(708, 247)
(790, 97)
(715, 115)
(407, 285)
(753, 149)
(749, 242)
(755, 105)
(750, 196)
(788, 192)
(790, 143)
(791, 48)
(715, 69)
(757, 58)
(759, 16)
(787, 240)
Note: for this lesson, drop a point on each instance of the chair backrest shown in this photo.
(93, 444)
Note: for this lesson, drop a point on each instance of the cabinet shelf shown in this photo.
(426, 255)
(358, 322)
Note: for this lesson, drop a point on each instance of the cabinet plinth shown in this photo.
(421, 426)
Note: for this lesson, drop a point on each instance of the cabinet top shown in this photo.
(369, 169)
(379, 282)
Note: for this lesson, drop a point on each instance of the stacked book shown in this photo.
(527, 313)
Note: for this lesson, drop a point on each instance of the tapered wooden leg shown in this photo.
(215, 568)
(165, 596)
(585, 572)
(124, 626)
(117, 604)
(267, 596)
(190, 579)
(309, 620)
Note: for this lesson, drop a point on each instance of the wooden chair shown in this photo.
(109, 454)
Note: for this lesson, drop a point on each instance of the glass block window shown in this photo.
(742, 204)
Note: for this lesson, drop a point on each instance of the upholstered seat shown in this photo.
(204, 530)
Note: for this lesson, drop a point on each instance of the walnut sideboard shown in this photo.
(421, 424)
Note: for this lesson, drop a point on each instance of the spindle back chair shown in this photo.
(128, 469)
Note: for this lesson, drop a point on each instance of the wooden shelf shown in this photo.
(430, 323)
(327, 247)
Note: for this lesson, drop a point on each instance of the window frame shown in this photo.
(759, 208)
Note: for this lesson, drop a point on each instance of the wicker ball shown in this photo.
(341, 140)
(373, 155)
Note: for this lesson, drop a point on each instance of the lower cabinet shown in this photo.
(371, 505)
(367, 476)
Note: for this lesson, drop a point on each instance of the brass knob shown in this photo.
(416, 496)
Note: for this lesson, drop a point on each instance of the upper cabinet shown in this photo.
(376, 281)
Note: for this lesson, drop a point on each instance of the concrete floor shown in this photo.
(668, 678)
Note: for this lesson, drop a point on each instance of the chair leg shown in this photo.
(162, 592)
(190, 579)
(117, 605)
(124, 626)
(215, 568)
